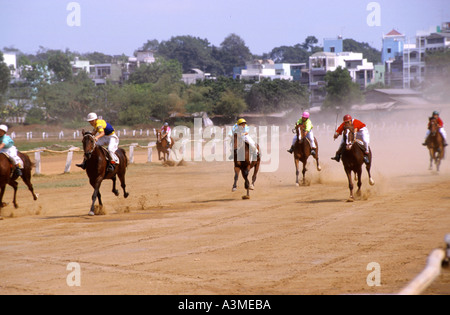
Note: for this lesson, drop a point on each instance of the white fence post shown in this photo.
(68, 161)
(150, 154)
(37, 160)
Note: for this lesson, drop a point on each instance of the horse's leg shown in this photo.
(368, 166)
(122, 183)
(26, 177)
(2, 191)
(255, 173)
(14, 184)
(350, 185)
(358, 192)
(431, 159)
(304, 172)
(236, 177)
(247, 182)
(297, 172)
(316, 157)
(96, 185)
(114, 190)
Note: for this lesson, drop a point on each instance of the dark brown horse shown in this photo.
(96, 168)
(353, 159)
(7, 176)
(243, 163)
(302, 151)
(435, 145)
(162, 146)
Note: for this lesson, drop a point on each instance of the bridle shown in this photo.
(88, 154)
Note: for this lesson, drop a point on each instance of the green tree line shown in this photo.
(153, 91)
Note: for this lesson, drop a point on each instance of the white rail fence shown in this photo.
(436, 261)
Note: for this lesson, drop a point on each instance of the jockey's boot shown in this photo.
(366, 158)
(337, 158)
(82, 165)
(445, 143)
(18, 171)
(111, 166)
(313, 151)
(291, 150)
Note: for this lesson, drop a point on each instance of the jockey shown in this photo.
(7, 146)
(166, 132)
(106, 136)
(307, 125)
(441, 128)
(242, 129)
(361, 131)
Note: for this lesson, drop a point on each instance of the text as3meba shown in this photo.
(226, 305)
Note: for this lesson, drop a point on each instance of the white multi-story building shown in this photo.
(11, 62)
(258, 69)
(361, 71)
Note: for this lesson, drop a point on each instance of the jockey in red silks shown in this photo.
(362, 133)
(441, 128)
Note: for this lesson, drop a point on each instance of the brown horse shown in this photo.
(7, 176)
(243, 163)
(353, 159)
(162, 146)
(435, 145)
(96, 168)
(302, 151)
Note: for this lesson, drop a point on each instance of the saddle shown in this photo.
(360, 145)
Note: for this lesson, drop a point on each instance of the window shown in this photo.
(389, 50)
(332, 49)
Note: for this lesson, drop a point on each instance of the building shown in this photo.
(333, 45)
(393, 43)
(11, 61)
(361, 71)
(107, 72)
(195, 75)
(80, 65)
(256, 70)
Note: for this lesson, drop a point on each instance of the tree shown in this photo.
(233, 53)
(151, 73)
(341, 90)
(5, 77)
(59, 63)
(370, 53)
(270, 96)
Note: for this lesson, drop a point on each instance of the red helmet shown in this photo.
(347, 118)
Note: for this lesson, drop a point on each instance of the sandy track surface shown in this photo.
(182, 230)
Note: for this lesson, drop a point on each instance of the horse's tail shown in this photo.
(125, 158)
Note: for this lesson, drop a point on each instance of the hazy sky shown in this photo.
(122, 26)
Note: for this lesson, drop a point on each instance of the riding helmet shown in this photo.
(91, 117)
(347, 118)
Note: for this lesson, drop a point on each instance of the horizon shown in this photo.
(120, 27)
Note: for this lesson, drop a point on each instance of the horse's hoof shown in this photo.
(297, 184)
(16, 206)
(116, 192)
(125, 195)
(350, 199)
(91, 213)
(234, 189)
(245, 197)
(371, 182)
(251, 187)
(319, 168)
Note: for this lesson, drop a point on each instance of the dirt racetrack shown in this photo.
(182, 230)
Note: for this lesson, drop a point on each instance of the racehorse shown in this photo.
(96, 168)
(162, 146)
(243, 163)
(7, 176)
(353, 159)
(302, 151)
(435, 145)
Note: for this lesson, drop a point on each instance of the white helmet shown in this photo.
(4, 128)
(91, 117)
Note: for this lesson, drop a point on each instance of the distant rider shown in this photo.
(440, 123)
(305, 124)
